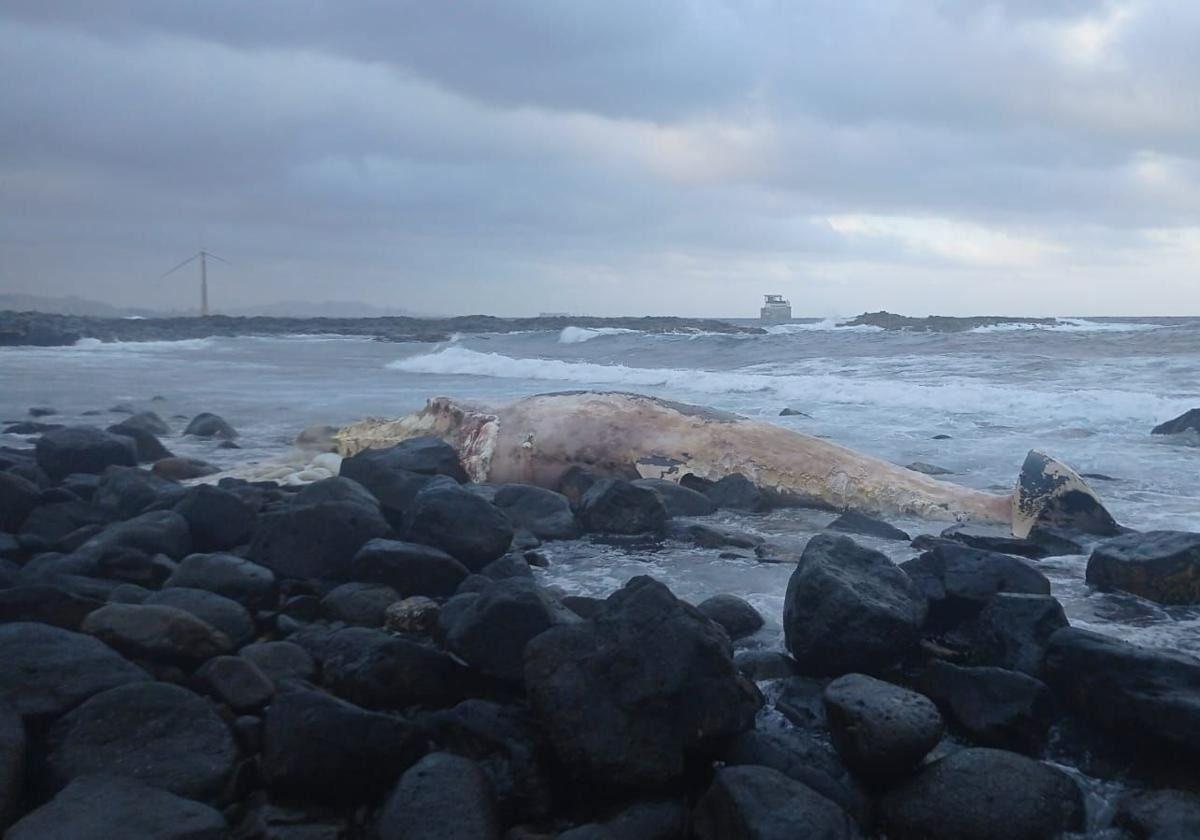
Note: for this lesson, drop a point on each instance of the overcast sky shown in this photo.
(607, 156)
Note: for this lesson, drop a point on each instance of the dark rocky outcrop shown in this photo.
(157, 733)
(677, 499)
(1189, 421)
(854, 522)
(1140, 697)
(936, 323)
(100, 807)
(218, 519)
(880, 730)
(408, 568)
(613, 506)
(984, 794)
(468, 528)
(545, 514)
(159, 633)
(209, 425)
(655, 670)
(849, 608)
(1163, 566)
(994, 707)
(441, 797)
(82, 449)
(368, 753)
(735, 615)
(758, 803)
(48, 671)
(236, 578)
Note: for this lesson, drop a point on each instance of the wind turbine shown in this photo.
(203, 256)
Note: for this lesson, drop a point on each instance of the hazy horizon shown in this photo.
(983, 157)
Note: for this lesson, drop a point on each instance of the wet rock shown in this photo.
(369, 751)
(315, 540)
(110, 806)
(1189, 421)
(154, 732)
(148, 447)
(28, 427)
(45, 604)
(235, 681)
(849, 608)
(489, 630)
(545, 514)
(210, 425)
(49, 523)
(394, 488)
(655, 670)
(281, 661)
(929, 469)
(12, 765)
(224, 614)
(251, 585)
(1014, 629)
(82, 449)
(408, 568)
(42, 411)
(361, 604)
(427, 455)
(417, 615)
(81, 485)
(129, 491)
(575, 481)
(1160, 814)
(1163, 566)
(459, 523)
(992, 706)
(48, 671)
(677, 499)
(958, 581)
(854, 522)
(612, 506)
(157, 532)
(663, 820)
(761, 665)
(758, 803)
(736, 492)
(1058, 541)
(1140, 697)
(737, 617)
(159, 633)
(181, 469)
(986, 540)
(984, 794)
(706, 536)
(218, 519)
(146, 421)
(880, 730)
(441, 797)
(792, 412)
(376, 670)
(18, 496)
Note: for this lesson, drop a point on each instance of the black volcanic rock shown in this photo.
(937, 323)
(218, 519)
(854, 522)
(241, 580)
(880, 730)
(460, 523)
(545, 514)
(613, 506)
(1163, 566)
(678, 500)
(758, 803)
(210, 425)
(82, 449)
(1189, 421)
(408, 568)
(441, 797)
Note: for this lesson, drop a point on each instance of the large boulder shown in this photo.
(12, 764)
(280, 661)
(460, 523)
(657, 673)
(110, 806)
(1189, 421)
(958, 581)
(154, 732)
(545, 514)
(677, 499)
(364, 754)
(758, 803)
(128, 491)
(18, 496)
(1144, 698)
(853, 522)
(235, 681)
(612, 506)
(984, 794)
(408, 568)
(146, 444)
(427, 455)
(361, 604)
(147, 421)
(82, 449)
(241, 580)
(50, 523)
(48, 671)
(315, 540)
(218, 519)
(181, 468)
(156, 532)
(736, 492)
(392, 487)
(205, 424)
(441, 797)
(992, 706)
(849, 608)
(880, 730)
(1159, 814)
(158, 633)
(489, 629)
(1013, 630)
(733, 613)
(223, 614)
(47, 604)
(1163, 566)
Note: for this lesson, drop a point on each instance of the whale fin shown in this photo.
(1049, 492)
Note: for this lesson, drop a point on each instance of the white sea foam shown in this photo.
(827, 325)
(141, 346)
(578, 335)
(1070, 325)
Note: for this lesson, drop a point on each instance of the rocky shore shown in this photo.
(50, 330)
(938, 323)
(371, 655)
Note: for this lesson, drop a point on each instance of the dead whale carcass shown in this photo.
(536, 439)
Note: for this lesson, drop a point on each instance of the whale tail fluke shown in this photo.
(1052, 494)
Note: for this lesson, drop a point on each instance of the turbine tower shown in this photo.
(204, 257)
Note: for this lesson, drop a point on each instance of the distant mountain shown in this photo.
(73, 305)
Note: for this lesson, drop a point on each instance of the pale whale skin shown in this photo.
(535, 439)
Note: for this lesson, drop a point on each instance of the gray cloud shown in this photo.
(607, 157)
